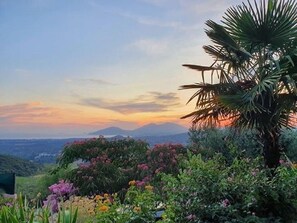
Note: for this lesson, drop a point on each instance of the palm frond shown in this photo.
(200, 68)
(255, 58)
(269, 23)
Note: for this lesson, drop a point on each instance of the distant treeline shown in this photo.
(10, 164)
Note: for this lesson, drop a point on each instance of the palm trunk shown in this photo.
(271, 149)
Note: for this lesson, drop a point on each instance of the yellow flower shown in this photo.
(294, 165)
(149, 188)
(107, 201)
(132, 183)
(137, 209)
(103, 208)
(106, 195)
(98, 197)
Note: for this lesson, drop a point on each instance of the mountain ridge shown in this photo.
(151, 129)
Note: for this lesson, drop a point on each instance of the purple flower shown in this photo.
(8, 204)
(140, 183)
(281, 161)
(59, 191)
(225, 203)
(143, 166)
(63, 188)
(52, 202)
(191, 217)
(254, 172)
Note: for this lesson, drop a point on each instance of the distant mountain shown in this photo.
(182, 138)
(146, 130)
(111, 131)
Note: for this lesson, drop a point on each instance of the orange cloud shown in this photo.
(34, 112)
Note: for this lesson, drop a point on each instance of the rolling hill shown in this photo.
(11, 164)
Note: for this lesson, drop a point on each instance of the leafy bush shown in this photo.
(288, 142)
(162, 158)
(211, 191)
(139, 206)
(105, 165)
(231, 144)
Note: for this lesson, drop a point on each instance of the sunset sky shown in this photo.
(69, 67)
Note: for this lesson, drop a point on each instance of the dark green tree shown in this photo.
(255, 62)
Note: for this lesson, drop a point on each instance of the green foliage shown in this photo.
(210, 141)
(227, 186)
(10, 164)
(38, 184)
(211, 191)
(288, 142)
(139, 206)
(105, 166)
(19, 211)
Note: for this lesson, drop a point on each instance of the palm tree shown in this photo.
(255, 62)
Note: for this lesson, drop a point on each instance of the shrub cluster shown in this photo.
(211, 191)
(227, 185)
(106, 166)
(103, 165)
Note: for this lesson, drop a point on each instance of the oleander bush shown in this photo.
(162, 158)
(104, 165)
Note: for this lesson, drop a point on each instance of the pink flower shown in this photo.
(255, 171)
(191, 217)
(225, 203)
(52, 202)
(281, 161)
(62, 188)
(143, 166)
(140, 183)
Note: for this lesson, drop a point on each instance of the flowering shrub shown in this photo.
(139, 205)
(59, 192)
(211, 191)
(86, 207)
(107, 165)
(162, 158)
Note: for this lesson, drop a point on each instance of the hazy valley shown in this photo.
(47, 150)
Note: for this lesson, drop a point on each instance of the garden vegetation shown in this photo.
(220, 176)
